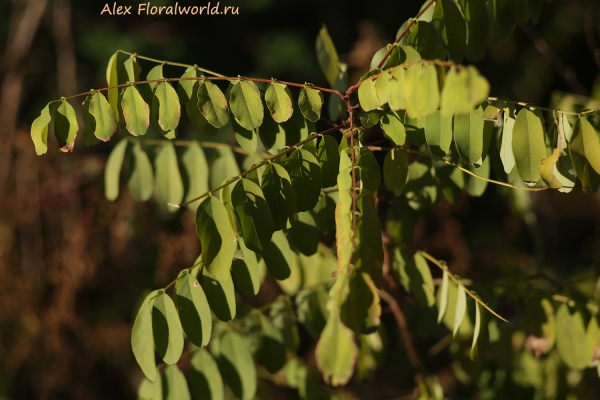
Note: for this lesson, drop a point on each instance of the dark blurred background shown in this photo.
(73, 266)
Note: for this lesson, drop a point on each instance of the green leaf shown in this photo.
(254, 215)
(154, 74)
(220, 295)
(548, 168)
(367, 95)
(422, 92)
(130, 71)
(196, 169)
(279, 194)
(113, 170)
(460, 310)
(39, 131)
(174, 384)
(370, 171)
(223, 166)
(369, 119)
(327, 56)
(336, 352)
(304, 233)
(469, 136)
(245, 271)
(142, 339)
(279, 101)
(168, 335)
(506, 153)
(112, 79)
(326, 213)
(311, 309)
(451, 29)
(382, 87)
(465, 331)
(295, 281)
(343, 216)
(65, 125)
(528, 145)
(329, 161)
(272, 136)
(443, 296)
(149, 390)
(397, 98)
(305, 175)
(310, 102)
(237, 365)
(278, 256)
(165, 106)
(422, 37)
(585, 141)
(194, 310)
(246, 104)
(590, 180)
(503, 14)
(141, 180)
(438, 133)
(415, 129)
(571, 341)
(212, 104)
(104, 123)
(395, 170)
(480, 335)
(206, 382)
(478, 28)
(216, 236)
(297, 128)
(393, 128)
(136, 112)
(271, 352)
(169, 185)
(463, 90)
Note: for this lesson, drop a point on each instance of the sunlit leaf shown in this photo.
(104, 122)
(245, 271)
(443, 297)
(112, 79)
(336, 352)
(585, 141)
(142, 339)
(528, 145)
(174, 384)
(206, 382)
(571, 340)
(393, 128)
(460, 310)
(279, 102)
(196, 169)
(438, 133)
(165, 106)
(212, 104)
(367, 95)
(310, 102)
(278, 256)
(136, 112)
(246, 105)
(39, 130)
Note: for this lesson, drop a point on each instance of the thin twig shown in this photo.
(187, 143)
(564, 299)
(170, 63)
(459, 283)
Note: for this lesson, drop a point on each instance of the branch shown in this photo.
(257, 166)
(459, 283)
(407, 337)
(399, 38)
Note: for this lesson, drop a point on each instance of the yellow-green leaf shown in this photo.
(166, 327)
(246, 104)
(142, 338)
(327, 56)
(165, 106)
(141, 180)
(237, 365)
(112, 79)
(585, 141)
(336, 352)
(279, 102)
(113, 170)
(206, 382)
(65, 125)
(367, 95)
(212, 104)
(39, 130)
(104, 122)
(528, 145)
(547, 168)
(220, 295)
(311, 103)
(169, 185)
(196, 170)
(174, 384)
(193, 309)
(136, 113)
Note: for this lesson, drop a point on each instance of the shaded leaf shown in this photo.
(278, 256)
(279, 194)
(254, 215)
(304, 233)
(393, 128)
(271, 352)
(460, 310)
(502, 15)
(206, 382)
(528, 145)
(174, 384)
(329, 161)
(193, 309)
(272, 136)
(245, 271)
(571, 340)
(451, 29)
(327, 56)
(216, 236)
(220, 295)
(222, 167)
(196, 168)
(305, 175)
(585, 141)
(237, 365)
(395, 170)
(168, 334)
(443, 297)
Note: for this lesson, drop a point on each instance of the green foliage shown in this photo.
(311, 196)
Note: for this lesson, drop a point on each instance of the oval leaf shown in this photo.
(165, 106)
(395, 170)
(329, 161)
(279, 194)
(279, 102)
(141, 180)
(142, 338)
(246, 105)
(254, 215)
(174, 385)
(113, 170)
(212, 104)
(136, 112)
(278, 256)
(206, 382)
(168, 335)
(39, 131)
(220, 296)
(194, 310)
(196, 169)
(310, 102)
(65, 126)
(169, 185)
(305, 175)
(237, 365)
(528, 145)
